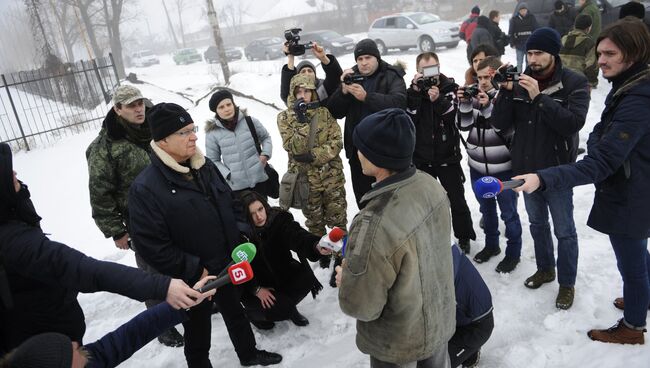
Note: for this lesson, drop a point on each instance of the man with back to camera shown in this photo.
(185, 222)
(547, 107)
(115, 158)
(397, 276)
(382, 87)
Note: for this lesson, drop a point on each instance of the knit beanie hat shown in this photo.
(386, 138)
(558, 5)
(47, 350)
(219, 96)
(632, 8)
(305, 64)
(522, 5)
(475, 10)
(583, 21)
(545, 39)
(366, 47)
(167, 118)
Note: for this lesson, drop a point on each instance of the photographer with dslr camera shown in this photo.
(370, 86)
(547, 106)
(437, 140)
(293, 48)
(488, 154)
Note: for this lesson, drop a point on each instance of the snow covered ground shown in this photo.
(529, 330)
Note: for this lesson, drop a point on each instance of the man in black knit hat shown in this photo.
(185, 224)
(547, 107)
(379, 86)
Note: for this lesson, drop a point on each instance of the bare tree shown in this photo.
(113, 11)
(180, 5)
(33, 9)
(216, 32)
(17, 53)
(86, 12)
(63, 14)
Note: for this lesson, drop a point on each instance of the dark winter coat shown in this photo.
(501, 39)
(473, 298)
(324, 87)
(521, 28)
(389, 91)
(114, 160)
(481, 35)
(183, 219)
(546, 128)
(121, 344)
(618, 160)
(274, 265)
(562, 21)
(437, 140)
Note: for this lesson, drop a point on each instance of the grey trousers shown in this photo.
(439, 359)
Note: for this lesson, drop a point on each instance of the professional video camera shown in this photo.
(471, 91)
(353, 78)
(506, 74)
(293, 41)
(430, 78)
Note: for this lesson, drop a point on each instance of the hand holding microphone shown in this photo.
(490, 187)
(333, 240)
(238, 273)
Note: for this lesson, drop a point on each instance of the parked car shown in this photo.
(264, 48)
(332, 42)
(144, 58)
(405, 30)
(186, 56)
(211, 55)
(609, 10)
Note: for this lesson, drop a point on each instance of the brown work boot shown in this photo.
(620, 303)
(540, 278)
(620, 333)
(565, 297)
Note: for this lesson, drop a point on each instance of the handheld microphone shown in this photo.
(238, 273)
(333, 240)
(490, 187)
(242, 252)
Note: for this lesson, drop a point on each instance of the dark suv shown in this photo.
(211, 55)
(332, 42)
(609, 9)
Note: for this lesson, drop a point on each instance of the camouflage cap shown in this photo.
(302, 80)
(126, 94)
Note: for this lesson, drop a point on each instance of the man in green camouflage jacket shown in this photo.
(115, 158)
(326, 201)
(578, 51)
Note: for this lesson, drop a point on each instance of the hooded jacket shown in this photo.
(578, 53)
(481, 34)
(521, 27)
(389, 91)
(235, 153)
(591, 9)
(324, 87)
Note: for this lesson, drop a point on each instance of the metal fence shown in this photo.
(37, 107)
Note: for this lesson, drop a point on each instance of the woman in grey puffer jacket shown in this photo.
(230, 144)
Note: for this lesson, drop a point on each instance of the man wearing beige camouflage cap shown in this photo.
(115, 158)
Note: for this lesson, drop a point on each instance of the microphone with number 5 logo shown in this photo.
(238, 273)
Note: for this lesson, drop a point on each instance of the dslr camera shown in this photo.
(353, 78)
(293, 42)
(430, 78)
(471, 91)
(506, 74)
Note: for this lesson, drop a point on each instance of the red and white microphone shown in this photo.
(238, 273)
(333, 240)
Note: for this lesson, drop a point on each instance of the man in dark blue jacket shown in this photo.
(185, 223)
(618, 163)
(547, 107)
(474, 319)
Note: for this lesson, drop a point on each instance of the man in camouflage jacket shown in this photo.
(115, 158)
(326, 201)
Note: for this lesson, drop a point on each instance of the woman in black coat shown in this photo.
(280, 281)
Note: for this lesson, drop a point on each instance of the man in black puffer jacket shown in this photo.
(437, 142)
(382, 87)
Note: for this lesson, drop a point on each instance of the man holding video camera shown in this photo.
(292, 48)
(437, 140)
(547, 106)
(370, 86)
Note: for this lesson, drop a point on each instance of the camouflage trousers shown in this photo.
(326, 206)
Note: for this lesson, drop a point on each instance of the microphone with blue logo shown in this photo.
(490, 187)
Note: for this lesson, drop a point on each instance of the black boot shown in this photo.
(298, 319)
(463, 244)
(171, 338)
(263, 325)
(262, 357)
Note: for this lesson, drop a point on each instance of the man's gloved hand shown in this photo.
(304, 157)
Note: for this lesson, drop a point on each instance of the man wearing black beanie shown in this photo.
(381, 86)
(547, 107)
(397, 277)
(185, 223)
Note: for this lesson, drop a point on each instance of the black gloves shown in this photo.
(304, 157)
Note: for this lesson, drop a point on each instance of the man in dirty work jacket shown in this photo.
(397, 277)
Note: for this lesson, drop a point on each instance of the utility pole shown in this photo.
(214, 23)
(171, 26)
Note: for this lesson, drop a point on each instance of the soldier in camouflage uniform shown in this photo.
(115, 158)
(326, 202)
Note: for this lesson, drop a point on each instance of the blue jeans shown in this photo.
(633, 261)
(521, 58)
(507, 201)
(560, 203)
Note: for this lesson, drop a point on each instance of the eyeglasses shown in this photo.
(187, 132)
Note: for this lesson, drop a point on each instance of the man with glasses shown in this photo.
(185, 223)
(437, 140)
(118, 154)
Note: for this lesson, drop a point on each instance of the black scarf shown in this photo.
(232, 123)
(139, 134)
(619, 80)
